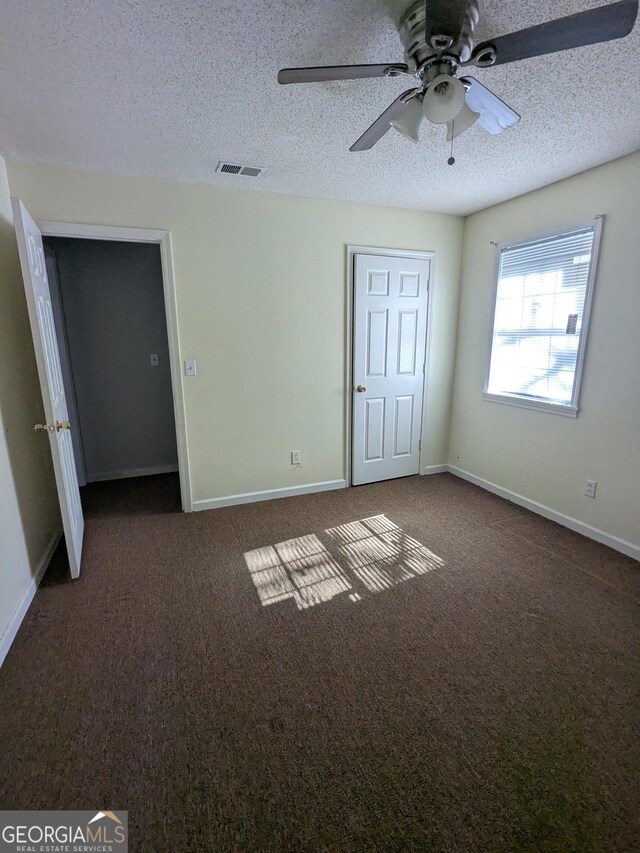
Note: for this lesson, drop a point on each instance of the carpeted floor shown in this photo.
(460, 675)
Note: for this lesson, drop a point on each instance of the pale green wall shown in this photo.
(260, 282)
(543, 456)
(29, 514)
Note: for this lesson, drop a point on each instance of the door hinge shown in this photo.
(424, 364)
(419, 444)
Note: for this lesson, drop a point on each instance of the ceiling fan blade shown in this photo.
(591, 27)
(495, 115)
(445, 17)
(339, 72)
(381, 125)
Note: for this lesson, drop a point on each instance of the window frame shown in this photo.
(540, 405)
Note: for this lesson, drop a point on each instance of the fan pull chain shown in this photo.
(452, 159)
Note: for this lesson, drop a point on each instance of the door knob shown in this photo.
(360, 389)
(63, 425)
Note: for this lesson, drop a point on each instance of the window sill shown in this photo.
(536, 405)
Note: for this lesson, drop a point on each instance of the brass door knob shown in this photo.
(62, 425)
(360, 389)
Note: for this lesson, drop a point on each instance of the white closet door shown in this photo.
(389, 338)
(34, 273)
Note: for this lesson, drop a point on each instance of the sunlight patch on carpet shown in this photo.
(300, 568)
(366, 556)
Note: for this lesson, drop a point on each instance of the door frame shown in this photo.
(352, 251)
(162, 239)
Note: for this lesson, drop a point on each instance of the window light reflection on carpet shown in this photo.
(366, 556)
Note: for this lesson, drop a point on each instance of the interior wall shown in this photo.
(29, 516)
(113, 304)
(545, 457)
(261, 294)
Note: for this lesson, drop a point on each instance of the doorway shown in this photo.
(388, 299)
(57, 426)
(115, 295)
(108, 305)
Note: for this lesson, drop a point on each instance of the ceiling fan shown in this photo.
(438, 38)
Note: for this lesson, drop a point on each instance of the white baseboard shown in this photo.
(130, 472)
(614, 542)
(23, 605)
(435, 469)
(269, 495)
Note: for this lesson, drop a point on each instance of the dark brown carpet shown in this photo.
(490, 703)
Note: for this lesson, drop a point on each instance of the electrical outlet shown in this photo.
(590, 488)
(296, 457)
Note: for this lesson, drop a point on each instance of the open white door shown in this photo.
(36, 287)
(389, 340)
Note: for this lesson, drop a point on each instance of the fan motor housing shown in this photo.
(419, 44)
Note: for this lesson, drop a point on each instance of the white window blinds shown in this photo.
(541, 295)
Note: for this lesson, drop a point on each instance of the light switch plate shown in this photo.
(153, 358)
(190, 367)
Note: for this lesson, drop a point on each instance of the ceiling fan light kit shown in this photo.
(463, 121)
(438, 41)
(443, 99)
(409, 121)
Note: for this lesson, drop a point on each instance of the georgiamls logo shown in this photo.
(63, 831)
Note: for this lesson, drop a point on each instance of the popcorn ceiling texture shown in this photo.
(168, 89)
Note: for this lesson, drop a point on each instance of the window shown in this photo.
(542, 299)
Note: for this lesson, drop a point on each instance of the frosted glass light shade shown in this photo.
(408, 122)
(462, 121)
(444, 99)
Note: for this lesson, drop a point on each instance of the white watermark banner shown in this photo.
(63, 831)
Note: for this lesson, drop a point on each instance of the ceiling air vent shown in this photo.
(236, 169)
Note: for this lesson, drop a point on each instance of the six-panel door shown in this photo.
(45, 344)
(389, 335)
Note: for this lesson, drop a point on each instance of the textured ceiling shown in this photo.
(170, 87)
